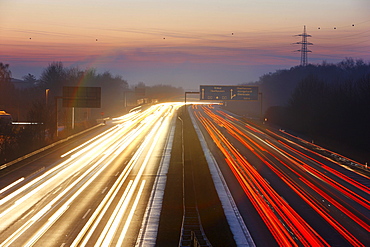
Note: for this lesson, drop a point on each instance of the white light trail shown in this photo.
(11, 185)
(130, 216)
(85, 164)
(124, 203)
(89, 141)
(112, 224)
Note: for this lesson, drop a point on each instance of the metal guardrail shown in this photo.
(192, 233)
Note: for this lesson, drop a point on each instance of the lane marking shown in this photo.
(88, 211)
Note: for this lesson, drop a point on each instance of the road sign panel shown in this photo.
(82, 97)
(215, 92)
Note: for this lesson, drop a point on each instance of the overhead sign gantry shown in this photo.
(220, 93)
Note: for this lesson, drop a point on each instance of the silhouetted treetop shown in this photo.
(330, 101)
(277, 87)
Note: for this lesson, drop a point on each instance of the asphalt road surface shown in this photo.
(287, 194)
(137, 180)
(95, 194)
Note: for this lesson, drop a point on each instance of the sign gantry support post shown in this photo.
(186, 93)
(78, 97)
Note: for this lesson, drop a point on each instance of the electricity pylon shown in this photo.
(304, 44)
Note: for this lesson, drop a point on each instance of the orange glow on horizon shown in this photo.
(137, 34)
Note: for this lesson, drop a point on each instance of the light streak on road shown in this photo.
(11, 185)
(130, 216)
(271, 207)
(114, 168)
(111, 226)
(60, 195)
(61, 185)
(319, 208)
(313, 182)
(113, 223)
(340, 187)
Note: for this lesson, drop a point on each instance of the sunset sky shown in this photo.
(180, 42)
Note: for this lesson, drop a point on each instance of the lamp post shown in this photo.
(56, 112)
(261, 116)
(46, 96)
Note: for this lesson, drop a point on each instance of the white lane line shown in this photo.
(103, 191)
(88, 211)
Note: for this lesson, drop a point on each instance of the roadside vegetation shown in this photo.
(332, 101)
(37, 101)
(327, 103)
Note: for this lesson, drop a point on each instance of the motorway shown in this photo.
(93, 195)
(106, 189)
(287, 194)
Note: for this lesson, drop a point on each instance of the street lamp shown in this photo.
(46, 96)
(261, 113)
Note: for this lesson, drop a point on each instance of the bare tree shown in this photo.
(53, 77)
(5, 73)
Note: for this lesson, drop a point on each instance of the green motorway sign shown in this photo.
(215, 92)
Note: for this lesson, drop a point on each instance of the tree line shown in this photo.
(37, 103)
(327, 100)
